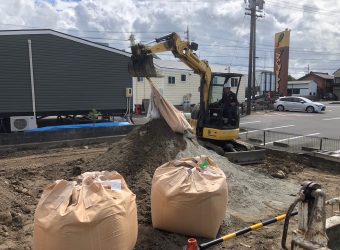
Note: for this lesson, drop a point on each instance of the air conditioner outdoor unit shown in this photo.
(22, 123)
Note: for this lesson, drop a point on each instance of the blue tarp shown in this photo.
(79, 126)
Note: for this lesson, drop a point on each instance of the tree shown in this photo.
(290, 78)
(93, 115)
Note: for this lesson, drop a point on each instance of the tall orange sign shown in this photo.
(281, 59)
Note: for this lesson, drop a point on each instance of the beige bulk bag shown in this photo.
(100, 213)
(189, 196)
(174, 118)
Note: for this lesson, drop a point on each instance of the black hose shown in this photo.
(286, 223)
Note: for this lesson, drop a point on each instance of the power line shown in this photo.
(302, 8)
(259, 45)
(95, 31)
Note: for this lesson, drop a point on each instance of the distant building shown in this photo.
(336, 86)
(307, 88)
(323, 80)
(44, 73)
(265, 81)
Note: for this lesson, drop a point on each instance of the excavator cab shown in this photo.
(218, 122)
(220, 115)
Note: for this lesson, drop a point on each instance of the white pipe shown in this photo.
(32, 77)
(134, 92)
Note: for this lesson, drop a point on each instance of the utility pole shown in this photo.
(187, 32)
(254, 58)
(132, 40)
(252, 4)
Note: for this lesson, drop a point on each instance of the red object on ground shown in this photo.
(138, 109)
(192, 244)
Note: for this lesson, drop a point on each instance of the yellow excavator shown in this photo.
(207, 118)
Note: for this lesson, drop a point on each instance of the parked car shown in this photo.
(292, 103)
(330, 97)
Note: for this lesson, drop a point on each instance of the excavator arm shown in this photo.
(141, 64)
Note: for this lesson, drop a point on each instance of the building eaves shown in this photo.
(62, 35)
(178, 65)
(325, 76)
(171, 64)
(300, 82)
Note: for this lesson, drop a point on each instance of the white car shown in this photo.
(293, 103)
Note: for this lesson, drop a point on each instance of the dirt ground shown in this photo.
(24, 175)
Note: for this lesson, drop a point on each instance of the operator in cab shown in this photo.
(230, 103)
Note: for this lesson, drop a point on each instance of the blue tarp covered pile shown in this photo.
(79, 126)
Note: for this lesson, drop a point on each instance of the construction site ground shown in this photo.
(254, 194)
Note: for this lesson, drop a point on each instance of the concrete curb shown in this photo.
(21, 138)
(60, 144)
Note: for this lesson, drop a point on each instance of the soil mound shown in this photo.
(137, 156)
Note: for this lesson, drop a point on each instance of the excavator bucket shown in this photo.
(142, 66)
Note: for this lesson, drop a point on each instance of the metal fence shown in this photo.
(288, 141)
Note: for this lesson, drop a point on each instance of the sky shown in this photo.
(220, 27)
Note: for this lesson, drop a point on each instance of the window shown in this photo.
(234, 82)
(171, 80)
(140, 79)
(337, 80)
(183, 78)
(216, 93)
(296, 99)
(293, 91)
(296, 91)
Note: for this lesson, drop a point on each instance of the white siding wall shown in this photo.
(242, 90)
(305, 89)
(172, 92)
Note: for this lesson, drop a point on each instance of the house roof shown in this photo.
(322, 75)
(300, 82)
(336, 71)
(171, 64)
(178, 65)
(62, 35)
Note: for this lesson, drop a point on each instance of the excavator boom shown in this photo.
(141, 63)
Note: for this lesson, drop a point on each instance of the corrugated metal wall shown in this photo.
(15, 87)
(69, 76)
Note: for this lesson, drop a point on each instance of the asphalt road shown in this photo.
(325, 124)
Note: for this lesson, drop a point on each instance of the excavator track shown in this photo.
(236, 151)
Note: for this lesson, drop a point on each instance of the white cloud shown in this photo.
(219, 27)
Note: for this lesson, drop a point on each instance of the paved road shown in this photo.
(325, 124)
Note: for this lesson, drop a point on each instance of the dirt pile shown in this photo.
(137, 156)
(275, 165)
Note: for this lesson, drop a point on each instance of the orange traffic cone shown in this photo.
(192, 244)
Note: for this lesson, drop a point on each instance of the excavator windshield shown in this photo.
(218, 80)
